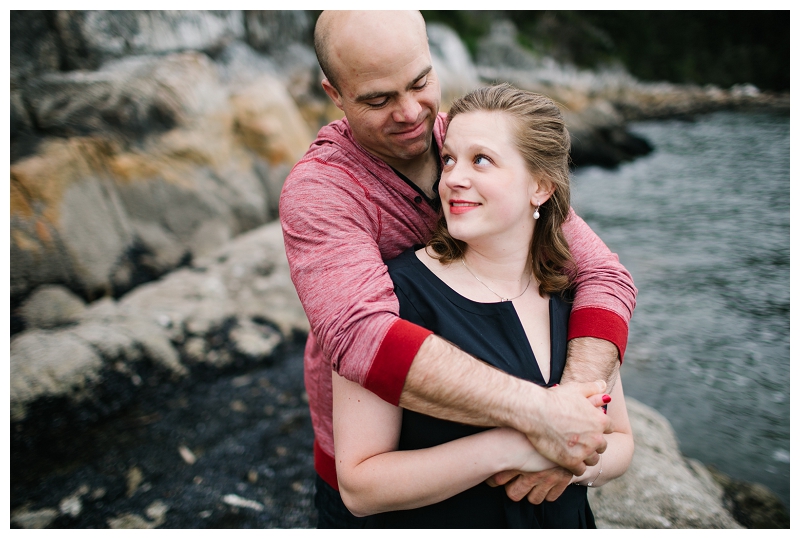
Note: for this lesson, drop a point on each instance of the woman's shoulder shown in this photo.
(404, 260)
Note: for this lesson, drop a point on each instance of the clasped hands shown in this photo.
(548, 485)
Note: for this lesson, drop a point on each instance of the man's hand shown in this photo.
(536, 486)
(569, 429)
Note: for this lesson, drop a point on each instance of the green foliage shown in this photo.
(701, 47)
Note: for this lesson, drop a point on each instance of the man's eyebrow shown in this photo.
(421, 74)
(375, 95)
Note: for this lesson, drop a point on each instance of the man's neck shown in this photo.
(423, 170)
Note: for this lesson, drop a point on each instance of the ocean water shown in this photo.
(702, 224)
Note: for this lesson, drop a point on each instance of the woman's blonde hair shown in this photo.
(543, 141)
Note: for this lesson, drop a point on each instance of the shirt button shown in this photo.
(418, 199)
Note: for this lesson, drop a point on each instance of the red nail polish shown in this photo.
(606, 398)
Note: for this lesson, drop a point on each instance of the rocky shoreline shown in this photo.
(187, 409)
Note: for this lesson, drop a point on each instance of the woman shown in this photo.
(494, 280)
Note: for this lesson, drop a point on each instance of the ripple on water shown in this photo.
(702, 224)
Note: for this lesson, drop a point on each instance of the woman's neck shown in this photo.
(503, 269)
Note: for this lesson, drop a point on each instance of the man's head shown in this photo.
(378, 70)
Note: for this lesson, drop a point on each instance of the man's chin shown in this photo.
(414, 150)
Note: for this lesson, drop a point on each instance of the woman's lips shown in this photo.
(462, 206)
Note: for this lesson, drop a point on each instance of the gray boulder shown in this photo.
(51, 306)
(90, 38)
(236, 305)
(660, 489)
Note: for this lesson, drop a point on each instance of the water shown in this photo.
(702, 224)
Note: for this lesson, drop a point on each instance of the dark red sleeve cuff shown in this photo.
(387, 376)
(601, 324)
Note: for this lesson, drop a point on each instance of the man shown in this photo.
(363, 193)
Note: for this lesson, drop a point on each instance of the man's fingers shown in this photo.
(537, 495)
(591, 388)
(557, 490)
(592, 459)
(502, 478)
(522, 485)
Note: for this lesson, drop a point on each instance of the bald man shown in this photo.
(364, 193)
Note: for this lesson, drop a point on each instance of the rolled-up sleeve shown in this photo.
(331, 233)
(605, 295)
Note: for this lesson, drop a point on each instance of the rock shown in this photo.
(24, 517)
(90, 38)
(501, 48)
(659, 490)
(130, 96)
(236, 304)
(34, 46)
(50, 363)
(72, 505)
(238, 501)
(131, 521)
(254, 340)
(163, 250)
(80, 202)
(451, 60)
(51, 306)
(752, 504)
(269, 122)
(240, 64)
(270, 31)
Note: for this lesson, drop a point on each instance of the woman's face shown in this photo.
(487, 192)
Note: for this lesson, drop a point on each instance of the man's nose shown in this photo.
(407, 111)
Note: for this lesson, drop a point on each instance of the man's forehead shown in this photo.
(367, 43)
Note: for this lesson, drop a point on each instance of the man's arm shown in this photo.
(590, 359)
(561, 423)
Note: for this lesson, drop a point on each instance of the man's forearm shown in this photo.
(590, 359)
(447, 383)
(561, 424)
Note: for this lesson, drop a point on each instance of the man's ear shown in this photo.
(333, 93)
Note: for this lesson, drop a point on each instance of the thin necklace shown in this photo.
(492, 291)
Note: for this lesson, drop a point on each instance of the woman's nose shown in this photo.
(456, 177)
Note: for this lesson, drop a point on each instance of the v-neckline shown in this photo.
(505, 307)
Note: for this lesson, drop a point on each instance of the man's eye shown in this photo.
(421, 84)
(378, 102)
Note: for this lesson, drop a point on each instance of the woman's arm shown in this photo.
(619, 453)
(375, 477)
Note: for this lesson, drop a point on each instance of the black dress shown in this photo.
(494, 333)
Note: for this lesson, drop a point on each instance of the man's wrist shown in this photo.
(525, 410)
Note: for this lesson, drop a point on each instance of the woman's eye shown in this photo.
(447, 160)
(481, 160)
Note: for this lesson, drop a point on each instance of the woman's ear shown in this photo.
(542, 192)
